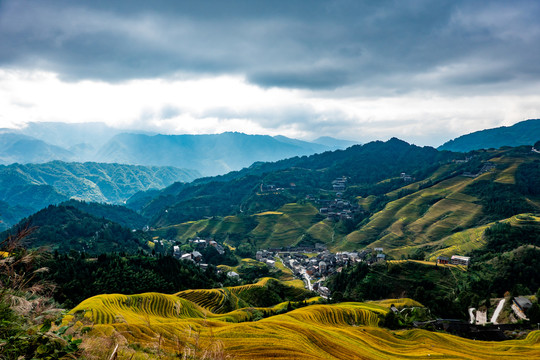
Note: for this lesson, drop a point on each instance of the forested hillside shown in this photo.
(27, 188)
(523, 133)
(64, 228)
(364, 166)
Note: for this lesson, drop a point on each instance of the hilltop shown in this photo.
(523, 133)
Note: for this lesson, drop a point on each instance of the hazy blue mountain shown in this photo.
(31, 187)
(315, 148)
(67, 135)
(18, 148)
(210, 154)
(334, 143)
(523, 133)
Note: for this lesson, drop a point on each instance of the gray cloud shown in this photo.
(378, 46)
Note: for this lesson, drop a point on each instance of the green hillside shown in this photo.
(523, 133)
(238, 192)
(445, 212)
(32, 187)
(65, 228)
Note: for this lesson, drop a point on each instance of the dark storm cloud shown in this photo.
(397, 45)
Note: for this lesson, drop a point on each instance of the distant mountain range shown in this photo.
(209, 154)
(24, 189)
(18, 148)
(523, 133)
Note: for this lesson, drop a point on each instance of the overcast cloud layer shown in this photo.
(424, 71)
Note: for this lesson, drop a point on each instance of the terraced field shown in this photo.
(419, 218)
(439, 217)
(471, 239)
(163, 326)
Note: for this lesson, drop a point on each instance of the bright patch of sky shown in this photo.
(422, 71)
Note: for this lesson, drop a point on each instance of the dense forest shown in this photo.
(78, 277)
(65, 228)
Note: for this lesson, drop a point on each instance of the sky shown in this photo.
(422, 71)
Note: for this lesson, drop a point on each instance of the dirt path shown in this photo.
(497, 312)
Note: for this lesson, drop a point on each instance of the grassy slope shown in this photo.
(283, 227)
(421, 217)
(339, 331)
(439, 219)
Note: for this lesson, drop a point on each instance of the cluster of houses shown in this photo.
(266, 257)
(405, 177)
(338, 209)
(197, 244)
(268, 189)
(322, 264)
(454, 260)
(488, 166)
(339, 184)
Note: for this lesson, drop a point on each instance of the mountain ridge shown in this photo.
(31, 187)
(525, 132)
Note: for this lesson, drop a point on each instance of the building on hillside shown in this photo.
(460, 260)
(187, 257)
(381, 257)
(197, 256)
(442, 260)
(522, 303)
(406, 178)
(271, 263)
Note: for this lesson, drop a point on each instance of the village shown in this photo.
(314, 264)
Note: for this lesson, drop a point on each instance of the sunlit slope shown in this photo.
(220, 301)
(444, 215)
(228, 225)
(283, 227)
(472, 239)
(338, 331)
(424, 216)
(231, 304)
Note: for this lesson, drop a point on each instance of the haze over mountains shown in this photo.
(209, 154)
(162, 160)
